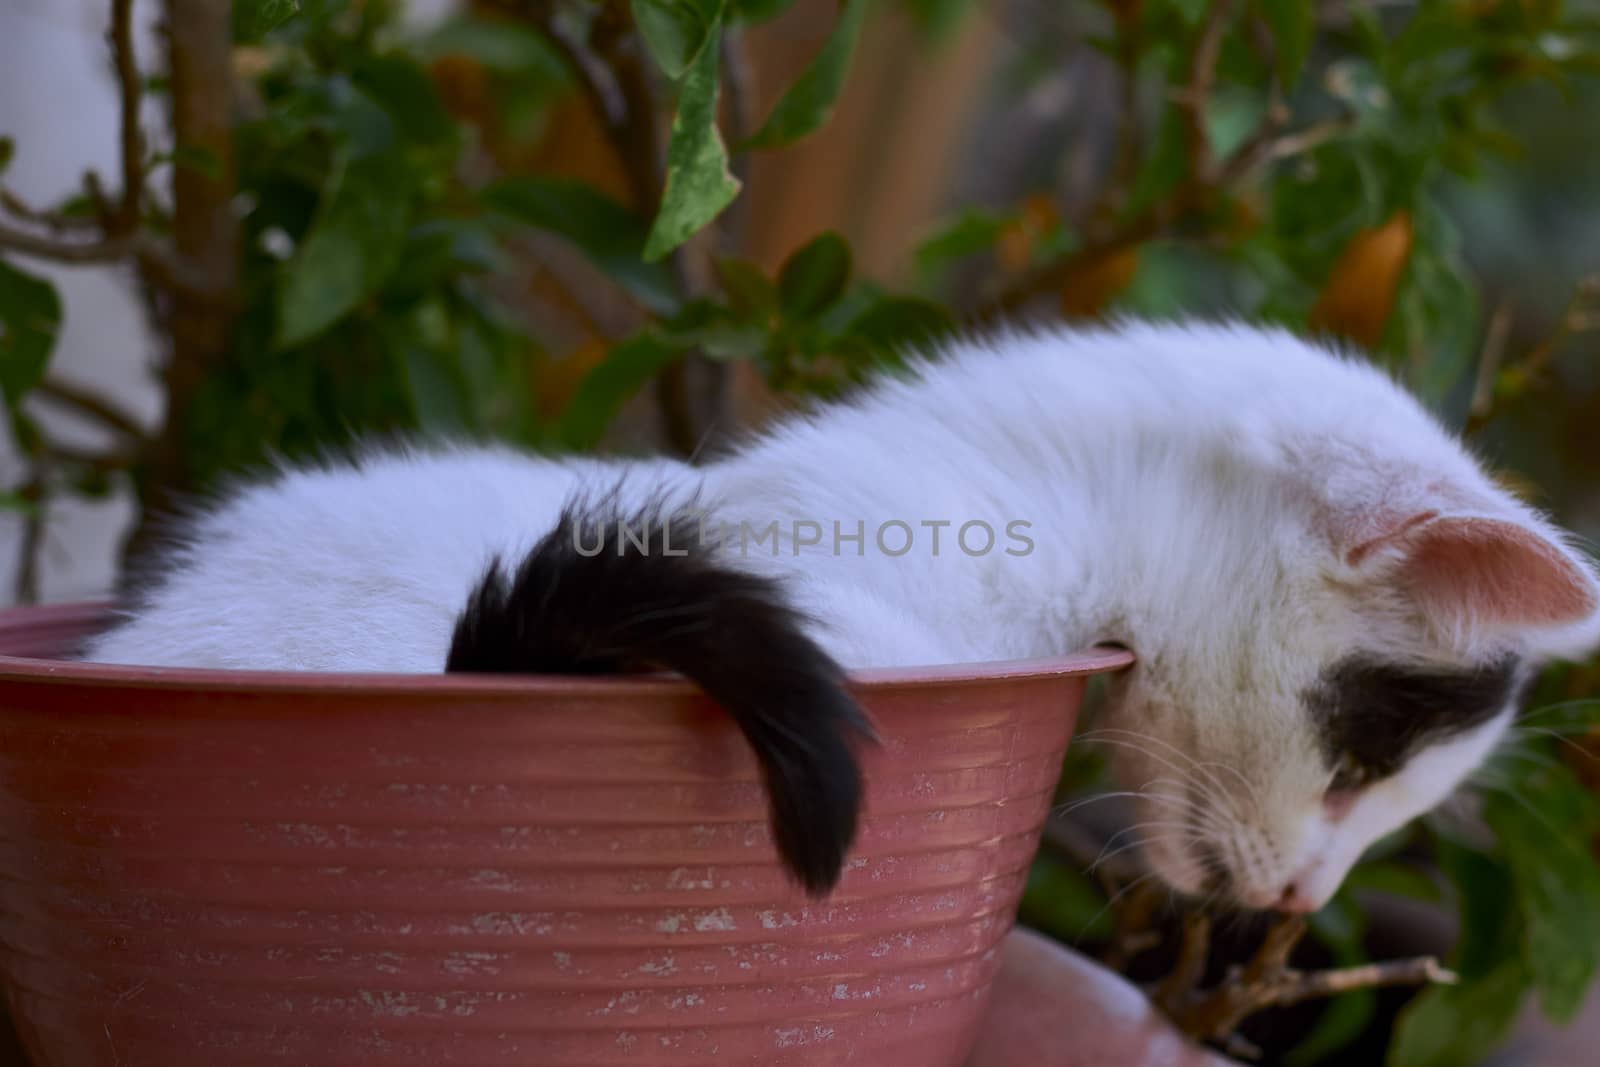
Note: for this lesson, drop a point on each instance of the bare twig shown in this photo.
(119, 223)
(25, 589)
(738, 86)
(131, 139)
(1133, 910)
(1295, 986)
(1052, 276)
(1207, 180)
(1267, 981)
(616, 83)
(15, 205)
(104, 250)
(90, 403)
(1489, 361)
(1190, 968)
(1192, 99)
(1578, 317)
(205, 237)
(1268, 145)
(99, 462)
(616, 79)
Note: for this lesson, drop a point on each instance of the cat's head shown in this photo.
(1371, 608)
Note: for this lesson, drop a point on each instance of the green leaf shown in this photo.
(1062, 901)
(747, 288)
(1490, 920)
(753, 11)
(499, 45)
(1565, 718)
(896, 323)
(16, 502)
(810, 100)
(1189, 12)
(1544, 831)
(607, 232)
(814, 276)
(439, 250)
(350, 250)
(8, 150)
(716, 332)
(1396, 879)
(974, 230)
(676, 30)
(30, 318)
(937, 18)
(1232, 114)
(699, 185)
(1455, 1026)
(254, 19)
(1292, 23)
(1165, 166)
(436, 389)
(604, 390)
(403, 89)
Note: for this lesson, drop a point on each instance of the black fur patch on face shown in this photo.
(590, 599)
(1377, 714)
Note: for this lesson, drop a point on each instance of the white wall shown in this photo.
(58, 103)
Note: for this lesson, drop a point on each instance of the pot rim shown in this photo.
(77, 617)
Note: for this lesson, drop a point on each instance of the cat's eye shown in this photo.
(1349, 776)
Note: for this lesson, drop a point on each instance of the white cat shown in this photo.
(1332, 605)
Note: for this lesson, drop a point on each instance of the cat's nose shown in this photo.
(1295, 900)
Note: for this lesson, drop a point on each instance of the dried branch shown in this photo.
(89, 403)
(98, 462)
(738, 87)
(1128, 149)
(25, 588)
(1580, 316)
(616, 79)
(1207, 180)
(104, 250)
(1133, 909)
(1190, 969)
(1270, 145)
(119, 223)
(1191, 100)
(15, 205)
(131, 140)
(205, 236)
(1267, 981)
(1052, 276)
(1489, 359)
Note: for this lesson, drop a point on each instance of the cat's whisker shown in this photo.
(1186, 838)
(1207, 791)
(1563, 705)
(1524, 731)
(1111, 901)
(1250, 790)
(1072, 806)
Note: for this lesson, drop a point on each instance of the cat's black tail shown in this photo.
(599, 594)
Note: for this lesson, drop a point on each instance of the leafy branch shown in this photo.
(1206, 181)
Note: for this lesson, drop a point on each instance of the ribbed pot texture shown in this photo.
(223, 869)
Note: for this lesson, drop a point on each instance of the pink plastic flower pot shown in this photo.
(222, 869)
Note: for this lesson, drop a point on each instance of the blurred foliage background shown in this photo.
(648, 224)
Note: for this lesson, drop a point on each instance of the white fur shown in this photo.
(1186, 490)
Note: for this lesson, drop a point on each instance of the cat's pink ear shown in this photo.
(1473, 572)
